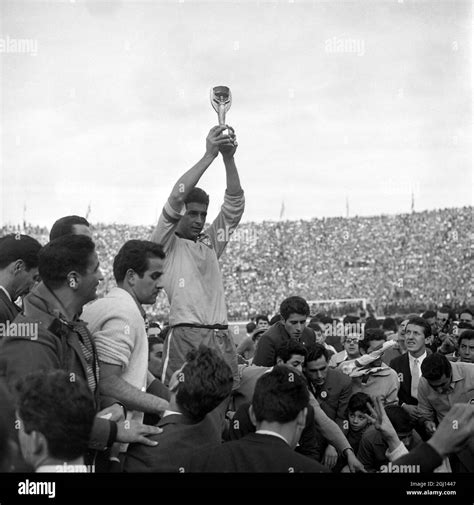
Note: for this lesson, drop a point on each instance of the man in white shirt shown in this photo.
(408, 365)
(118, 326)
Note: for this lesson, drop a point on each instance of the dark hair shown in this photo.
(446, 309)
(315, 351)
(294, 305)
(350, 319)
(423, 323)
(372, 324)
(19, 247)
(64, 226)
(63, 255)
(289, 348)
(250, 327)
(134, 254)
(279, 395)
(358, 401)
(370, 335)
(261, 317)
(400, 419)
(275, 319)
(60, 408)
(197, 195)
(435, 366)
(428, 314)
(465, 335)
(153, 341)
(389, 324)
(465, 311)
(206, 381)
(316, 326)
(7, 422)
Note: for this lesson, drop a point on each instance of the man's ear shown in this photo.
(280, 361)
(18, 266)
(130, 276)
(253, 419)
(72, 280)
(301, 417)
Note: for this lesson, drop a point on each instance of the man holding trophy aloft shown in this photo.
(192, 278)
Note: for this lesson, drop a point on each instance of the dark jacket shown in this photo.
(8, 309)
(310, 443)
(401, 365)
(272, 339)
(180, 436)
(51, 345)
(334, 394)
(253, 453)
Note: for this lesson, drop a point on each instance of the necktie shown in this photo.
(415, 379)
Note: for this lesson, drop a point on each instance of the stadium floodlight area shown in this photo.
(336, 304)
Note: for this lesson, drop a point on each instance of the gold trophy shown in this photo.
(221, 100)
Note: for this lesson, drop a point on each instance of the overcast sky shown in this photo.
(110, 105)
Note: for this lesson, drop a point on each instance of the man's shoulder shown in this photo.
(336, 376)
(465, 370)
(399, 361)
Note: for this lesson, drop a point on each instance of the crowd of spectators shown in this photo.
(399, 263)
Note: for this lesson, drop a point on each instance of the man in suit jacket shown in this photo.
(18, 273)
(331, 388)
(294, 312)
(198, 390)
(279, 408)
(408, 365)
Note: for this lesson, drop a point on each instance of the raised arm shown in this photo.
(188, 181)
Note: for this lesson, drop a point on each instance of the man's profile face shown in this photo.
(295, 325)
(191, 224)
(90, 280)
(466, 350)
(317, 371)
(415, 339)
(81, 229)
(148, 286)
(155, 359)
(432, 322)
(25, 280)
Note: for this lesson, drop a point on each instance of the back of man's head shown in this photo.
(134, 255)
(65, 226)
(389, 324)
(203, 383)
(63, 255)
(59, 408)
(279, 396)
(19, 247)
(399, 418)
